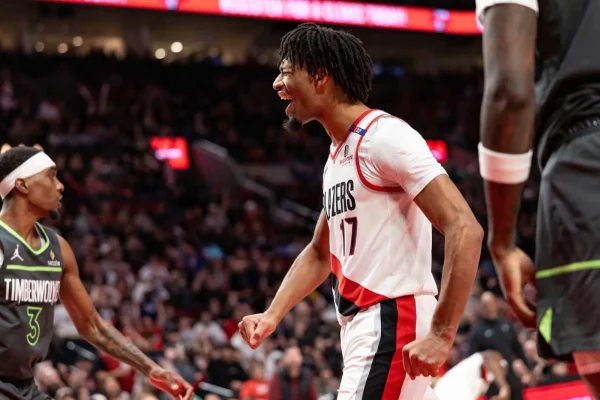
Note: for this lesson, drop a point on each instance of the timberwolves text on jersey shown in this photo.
(29, 289)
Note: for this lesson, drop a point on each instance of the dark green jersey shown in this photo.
(568, 69)
(29, 289)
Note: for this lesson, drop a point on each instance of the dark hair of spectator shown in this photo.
(13, 158)
(341, 54)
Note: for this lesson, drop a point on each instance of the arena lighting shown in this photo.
(172, 149)
(160, 53)
(439, 149)
(329, 12)
(176, 47)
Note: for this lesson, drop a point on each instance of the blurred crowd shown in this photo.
(175, 265)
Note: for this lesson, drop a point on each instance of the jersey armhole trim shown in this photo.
(383, 189)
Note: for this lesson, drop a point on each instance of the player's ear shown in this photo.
(5, 147)
(21, 186)
(321, 78)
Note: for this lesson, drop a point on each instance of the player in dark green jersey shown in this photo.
(37, 268)
(542, 95)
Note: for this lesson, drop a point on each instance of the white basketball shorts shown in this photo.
(372, 343)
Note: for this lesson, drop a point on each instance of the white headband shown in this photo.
(34, 165)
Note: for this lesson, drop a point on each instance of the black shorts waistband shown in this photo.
(16, 382)
(564, 136)
(582, 127)
(579, 128)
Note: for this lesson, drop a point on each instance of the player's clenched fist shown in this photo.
(425, 355)
(503, 395)
(171, 383)
(254, 328)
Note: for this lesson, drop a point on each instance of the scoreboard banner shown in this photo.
(370, 15)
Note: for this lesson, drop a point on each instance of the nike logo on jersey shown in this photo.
(339, 199)
(31, 291)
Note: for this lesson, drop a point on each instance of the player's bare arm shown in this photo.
(493, 363)
(98, 332)
(308, 271)
(507, 124)
(507, 113)
(450, 214)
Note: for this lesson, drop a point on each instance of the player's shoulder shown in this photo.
(51, 232)
(54, 235)
(483, 5)
(388, 127)
(389, 131)
(389, 122)
(49, 229)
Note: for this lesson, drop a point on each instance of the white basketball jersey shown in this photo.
(380, 241)
(468, 380)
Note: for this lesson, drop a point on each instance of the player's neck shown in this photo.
(338, 119)
(20, 221)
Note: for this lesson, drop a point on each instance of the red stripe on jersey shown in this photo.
(483, 373)
(406, 332)
(389, 189)
(356, 122)
(353, 291)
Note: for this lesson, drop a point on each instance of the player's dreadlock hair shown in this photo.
(13, 158)
(342, 54)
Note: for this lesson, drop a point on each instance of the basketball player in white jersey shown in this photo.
(382, 190)
(471, 378)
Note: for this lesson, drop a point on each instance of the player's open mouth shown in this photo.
(284, 96)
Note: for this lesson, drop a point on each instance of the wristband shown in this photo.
(505, 168)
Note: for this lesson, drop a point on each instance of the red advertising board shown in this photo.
(563, 391)
(174, 150)
(323, 11)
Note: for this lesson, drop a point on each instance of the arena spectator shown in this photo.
(492, 332)
(292, 381)
(257, 387)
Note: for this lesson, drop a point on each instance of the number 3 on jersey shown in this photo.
(353, 222)
(34, 335)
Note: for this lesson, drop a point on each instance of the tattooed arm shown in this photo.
(98, 332)
(507, 121)
(88, 322)
(105, 337)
